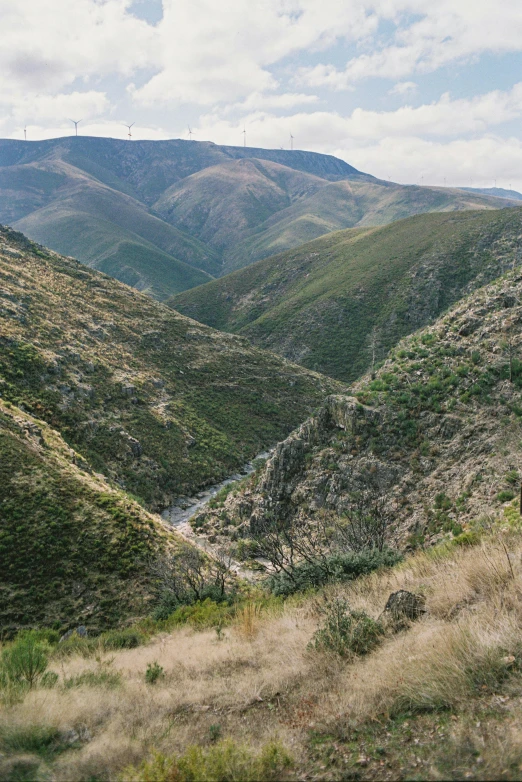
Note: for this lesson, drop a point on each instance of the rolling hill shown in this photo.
(156, 403)
(339, 303)
(144, 211)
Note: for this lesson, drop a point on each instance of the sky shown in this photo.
(416, 91)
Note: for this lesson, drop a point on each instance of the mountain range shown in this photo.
(166, 216)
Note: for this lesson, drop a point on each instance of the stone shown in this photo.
(81, 631)
(404, 605)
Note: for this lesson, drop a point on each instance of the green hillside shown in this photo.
(339, 303)
(73, 549)
(158, 404)
(121, 253)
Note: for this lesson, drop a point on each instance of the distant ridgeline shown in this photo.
(166, 216)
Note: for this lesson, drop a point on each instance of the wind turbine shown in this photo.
(244, 136)
(190, 132)
(76, 123)
(25, 132)
(291, 141)
(129, 135)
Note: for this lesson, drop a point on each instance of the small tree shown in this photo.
(367, 522)
(189, 575)
(25, 661)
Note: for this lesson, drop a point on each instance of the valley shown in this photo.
(267, 528)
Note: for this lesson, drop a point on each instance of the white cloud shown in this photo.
(403, 88)
(458, 163)
(211, 52)
(447, 31)
(39, 108)
(47, 44)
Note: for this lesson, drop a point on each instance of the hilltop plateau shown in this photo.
(165, 216)
(339, 303)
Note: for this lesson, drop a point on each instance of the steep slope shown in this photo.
(215, 208)
(72, 548)
(436, 434)
(157, 403)
(222, 202)
(338, 304)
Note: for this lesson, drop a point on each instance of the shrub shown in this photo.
(122, 639)
(25, 661)
(38, 739)
(336, 568)
(226, 761)
(154, 672)
(505, 496)
(347, 632)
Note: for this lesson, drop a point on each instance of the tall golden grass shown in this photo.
(261, 683)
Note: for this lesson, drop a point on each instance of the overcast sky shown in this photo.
(421, 91)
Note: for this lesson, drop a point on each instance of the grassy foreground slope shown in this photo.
(439, 699)
(157, 403)
(72, 548)
(340, 301)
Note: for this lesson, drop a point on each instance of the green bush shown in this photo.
(347, 632)
(505, 496)
(154, 672)
(226, 761)
(336, 568)
(25, 661)
(37, 739)
(122, 639)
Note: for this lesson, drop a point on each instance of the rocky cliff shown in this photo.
(436, 432)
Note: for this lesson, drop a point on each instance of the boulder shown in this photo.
(404, 606)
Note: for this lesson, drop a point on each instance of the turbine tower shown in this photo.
(291, 141)
(129, 134)
(190, 132)
(244, 136)
(25, 132)
(76, 123)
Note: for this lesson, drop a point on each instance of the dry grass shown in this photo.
(259, 682)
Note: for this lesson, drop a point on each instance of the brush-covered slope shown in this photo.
(157, 403)
(72, 548)
(212, 207)
(341, 302)
(436, 433)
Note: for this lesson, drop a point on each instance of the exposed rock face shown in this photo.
(436, 433)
